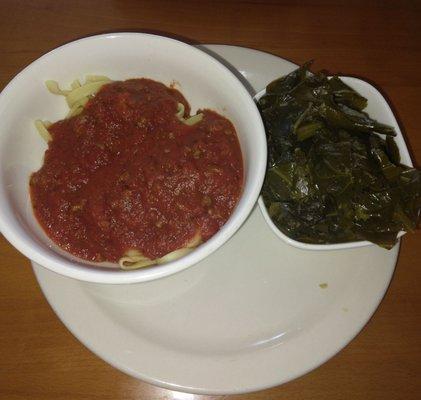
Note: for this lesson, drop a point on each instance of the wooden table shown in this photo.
(380, 41)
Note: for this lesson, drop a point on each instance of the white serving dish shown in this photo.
(205, 82)
(377, 108)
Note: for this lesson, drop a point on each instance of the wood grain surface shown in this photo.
(379, 41)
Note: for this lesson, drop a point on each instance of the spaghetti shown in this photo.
(130, 177)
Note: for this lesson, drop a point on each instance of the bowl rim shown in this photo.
(84, 272)
(343, 245)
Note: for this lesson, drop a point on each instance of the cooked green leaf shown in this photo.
(331, 175)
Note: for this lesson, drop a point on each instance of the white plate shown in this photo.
(249, 317)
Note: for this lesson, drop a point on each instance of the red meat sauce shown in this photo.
(128, 174)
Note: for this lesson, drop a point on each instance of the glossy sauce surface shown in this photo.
(128, 174)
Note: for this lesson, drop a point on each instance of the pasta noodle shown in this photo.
(134, 259)
(42, 128)
(77, 107)
(76, 98)
(84, 91)
(194, 119)
(75, 84)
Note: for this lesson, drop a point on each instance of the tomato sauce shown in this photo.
(128, 174)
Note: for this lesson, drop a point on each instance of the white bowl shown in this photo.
(377, 108)
(204, 81)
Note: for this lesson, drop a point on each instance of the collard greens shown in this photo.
(334, 174)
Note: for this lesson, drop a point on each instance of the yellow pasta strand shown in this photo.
(42, 129)
(128, 263)
(134, 259)
(75, 84)
(194, 119)
(54, 88)
(174, 255)
(96, 78)
(195, 240)
(180, 111)
(77, 108)
(189, 121)
(88, 89)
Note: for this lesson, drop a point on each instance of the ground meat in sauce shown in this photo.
(127, 174)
